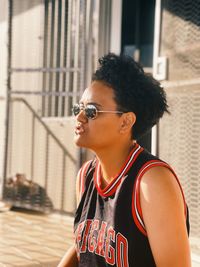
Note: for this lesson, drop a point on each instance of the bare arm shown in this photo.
(69, 259)
(163, 212)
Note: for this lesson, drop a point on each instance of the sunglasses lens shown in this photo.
(91, 112)
(76, 109)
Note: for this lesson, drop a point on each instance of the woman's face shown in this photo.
(103, 131)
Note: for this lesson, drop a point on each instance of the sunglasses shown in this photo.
(91, 111)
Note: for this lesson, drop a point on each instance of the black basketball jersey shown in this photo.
(109, 228)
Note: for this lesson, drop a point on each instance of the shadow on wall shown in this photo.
(24, 6)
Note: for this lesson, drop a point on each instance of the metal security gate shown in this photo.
(53, 45)
(179, 133)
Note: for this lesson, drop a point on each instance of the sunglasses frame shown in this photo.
(91, 106)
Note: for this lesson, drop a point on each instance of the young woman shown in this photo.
(132, 211)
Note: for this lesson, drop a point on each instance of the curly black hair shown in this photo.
(134, 90)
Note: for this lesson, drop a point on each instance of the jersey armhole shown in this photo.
(136, 207)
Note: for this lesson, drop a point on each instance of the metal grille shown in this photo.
(179, 144)
(56, 43)
(62, 47)
(179, 133)
(181, 38)
(53, 45)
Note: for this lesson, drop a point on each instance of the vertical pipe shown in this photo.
(68, 56)
(101, 31)
(105, 26)
(64, 57)
(63, 182)
(51, 56)
(47, 162)
(8, 100)
(108, 25)
(83, 3)
(10, 139)
(57, 83)
(77, 42)
(44, 75)
(82, 45)
(154, 134)
(32, 146)
(89, 41)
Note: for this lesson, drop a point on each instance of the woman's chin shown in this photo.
(79, 141)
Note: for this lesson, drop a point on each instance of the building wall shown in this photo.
(179, 132)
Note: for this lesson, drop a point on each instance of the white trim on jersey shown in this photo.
(121, 174)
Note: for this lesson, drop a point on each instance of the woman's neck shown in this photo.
(112, 161)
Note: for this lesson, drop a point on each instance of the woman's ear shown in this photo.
(128, 120)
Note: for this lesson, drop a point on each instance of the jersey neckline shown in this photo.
(113, 185)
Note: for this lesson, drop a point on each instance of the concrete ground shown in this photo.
(30, 239)
(33, 240)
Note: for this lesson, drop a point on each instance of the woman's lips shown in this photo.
(79, 129)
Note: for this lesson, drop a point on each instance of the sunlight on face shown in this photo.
(104, 130)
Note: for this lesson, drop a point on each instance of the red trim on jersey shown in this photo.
(81, 176)
(122, 251)
(136, 207)
(112, 186)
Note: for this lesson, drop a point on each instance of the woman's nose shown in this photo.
(81, 116)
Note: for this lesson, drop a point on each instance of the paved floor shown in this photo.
(33, 240)
(30, 239)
